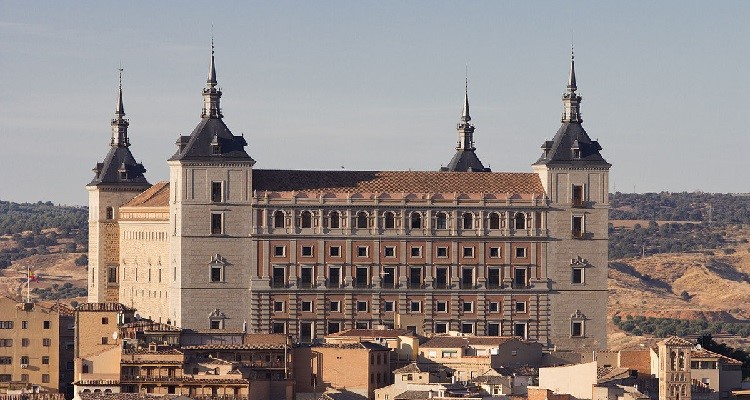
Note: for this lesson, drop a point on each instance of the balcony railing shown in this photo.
(306, 285)
(494, 285)
(466, 285)
(388, 284)
(415, 285)
(362, 285)
(441, 285)
(334, 285)
(278, 284)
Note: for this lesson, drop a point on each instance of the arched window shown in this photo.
(110, 213)
(520, 221)
(306, 219)
(362, 219)
(278, 219)
(390, 220)
(441, 221)
(494, 220)
(468, 221)
(416, 220)
(334, 219)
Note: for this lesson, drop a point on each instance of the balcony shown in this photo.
(415, 285)
(334, 285)
(441, 285)
(306, 285)
(494, 285)
(362, 285)
(278, 284)
(467, 285)
(387, 284)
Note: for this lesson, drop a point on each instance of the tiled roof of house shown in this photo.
(103, 307)
(677, 341)
(703, 353)
(359, 345)
(238, 346)
(155, 196)
(606, 374)
(373, 333)
(396, 181)
(491, 340)
(63, 309)
(412, 368)
(413, 395)
(446, 342)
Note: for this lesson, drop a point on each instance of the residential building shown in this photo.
(227, 246)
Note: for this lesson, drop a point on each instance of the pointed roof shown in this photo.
(465, 117)
(676, 341)
(465, 159)
(572, 74)
(211, 81)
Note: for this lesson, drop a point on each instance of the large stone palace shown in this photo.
(226, 246)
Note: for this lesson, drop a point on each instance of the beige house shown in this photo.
(403, 344)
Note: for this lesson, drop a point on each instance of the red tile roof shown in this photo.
(397, 181)
(703, 353)
(155, 196)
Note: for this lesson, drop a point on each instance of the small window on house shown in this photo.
(279, 251)
(494, 220)
(217, 272)
(577, 275)
(389, 251)
(577, 199)
(520, 252)
(494, 252)
(577, 226)
(468, 306)
(217, 192)
(520, 221)
(45, 324)
(467, 327)
(307, 251)
(24, 324)
(105, 340)
(278, 327)
(334, 251)
(519, 278)
(334, 306)
(334, 327)
(416, 220)
(441, 306)
(521, 307)
(519, 329)
(105, 320)
(441, 327)
(576, 329)
(111, 274)
(278, 219)
(334, 219)
(388, 305)
(362, 251)
(307, 306)
(468, 221)
(390, 220)
(415, 306)
(278, 306)
(416, 251)
(217, 223)
(110, 213)
(468, 252)
(576, 153)
(45, 360)
(494, 306)
(306, 219)
(441, 252)
(361, 306)
(215, 324)
(361, 324)
(441, 221)
(47, 342)
(493, 329)
(362, 220)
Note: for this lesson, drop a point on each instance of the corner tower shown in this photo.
(576, 179)
(117, 179)
(210, 214)
(465, 159)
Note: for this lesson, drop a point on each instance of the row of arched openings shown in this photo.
(416, 220)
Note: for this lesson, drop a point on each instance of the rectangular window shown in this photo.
(389, 251)
(307, 251)
(279, 277)
(415, 306)
(494, 306)
(520, 252)
(578, 196)
(519, 278)
(45, 325)
(7, 360)
(5, 377)
(577, 275)
(335, 306)
(111, 274)
(279, 251)
(105, 321)
(216, 273)
(362, 325)
(306, 278)
(6, 342)
(307, 306)
(213, 324)
(468, 306)
(467, 327)
(441, 327)
(361, 306)
(217, 223)
(441, 306)
(24, 324)
(388, 306)
(442, 252)
(47, 342)
(415, 277)
(493, 329)
(521, 307)
(278, 306)
(362, 279)
(105, 340)
(468, 252)
(217, 192)
(362, 251)
(441, 278)
(519, 329)
(388, 278)
(576, 329)
(25, 342)
(334, 277)
(278, 327)
(45, 360)
(334, 251)
(334, 327)
(24, 377)
(578, 230)
(493, 278)
(494, 252)
(416, 251)
(467, 278)
(24, 360)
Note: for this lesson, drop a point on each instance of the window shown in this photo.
(278, 306)
(45, 360)
(278, 327)
(362, 220)
(112, 274)
(416, 220)
(217, 192)
(441, 306)
(105, 340)
(24, 360)
(577, 199)
(468, 252)
(416, 251)
(6, 342)
(279, 251)
(520, 252)
(361, 306)
(468, 306)
(415, 306)
(217, 223)
(494, 220)
(307, 306)
(441, 327)
(468, 221)
(388, 278)
(494, 306)
(279, 277)
(306, 219)
(334, 251)
(334, 219)
(389, 251)
(45, 324)
(362, 251)
(24, 324)
(519, 278)
(334, 327)
(388, 306)
(24, 377)
(25, 342)
(361, 324)
(215, 324)
(577, 275)
(520, 221)
(47, 342)
(105, 320)
(441, 221)
(390, 220)
(494, 252)
(415, 277)
(493, 329)
(362, 278)
(307, 251)
(467, 278)
(110, 213)
(8, 360)
(334, 277)
(577, 227)
(216, 273)
(5, 377)
(278, 219)
(442, 252)
(467, 327)
(306, 277)
(576, 329)
(521, 307)
(519, 329)
(441, 278)
(493, 278)
(335, 306)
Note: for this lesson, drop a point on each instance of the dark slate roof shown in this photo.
(198, 146)
(560, 151)
(117, 159)
(465, 161)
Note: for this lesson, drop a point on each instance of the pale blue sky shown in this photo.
(377, 85)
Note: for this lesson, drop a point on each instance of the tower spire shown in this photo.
(119, 123)
(465, 117)
(465, 127)
(571, 100)
(211, 93)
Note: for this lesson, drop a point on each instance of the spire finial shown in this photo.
(465, 117)
(119, 123)
(571, 100)
(572, 77)
(211, 82)
(211, 93)
(120, 110)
